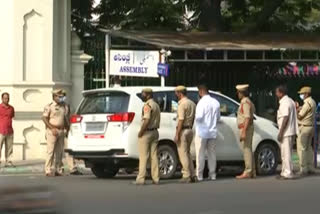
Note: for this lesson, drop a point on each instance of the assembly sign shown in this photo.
(134, 63)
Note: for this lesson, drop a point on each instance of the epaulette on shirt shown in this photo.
(241, 106)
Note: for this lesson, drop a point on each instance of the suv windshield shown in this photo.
(104, 102)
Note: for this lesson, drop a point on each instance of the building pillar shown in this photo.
(79, 59)
(35, 60)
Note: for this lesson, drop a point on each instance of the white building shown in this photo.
(37, 55)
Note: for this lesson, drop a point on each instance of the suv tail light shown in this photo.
(75, 119)
(121, 117)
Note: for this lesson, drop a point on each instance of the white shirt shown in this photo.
(287, 107)
(207, 116)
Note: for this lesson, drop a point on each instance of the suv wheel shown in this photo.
(168, 161)
(266, 157)
(104, 171)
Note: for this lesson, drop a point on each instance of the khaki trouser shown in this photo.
(248, 156)
(184, 153)
(148, 149)
(286, 156)
(69, 158)
(7, 140)
(304, 147)
(55, 146)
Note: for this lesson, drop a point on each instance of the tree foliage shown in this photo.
(205, 15)
(81, 14)
(141, 14)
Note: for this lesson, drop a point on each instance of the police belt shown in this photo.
(305, 125)
(154, 129)
(186, 127)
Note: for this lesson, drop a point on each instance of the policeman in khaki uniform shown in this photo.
(184, 133)
(306, 121)
(148, 138)
(245, 124)
(54, 117)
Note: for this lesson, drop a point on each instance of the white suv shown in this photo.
(105, 127)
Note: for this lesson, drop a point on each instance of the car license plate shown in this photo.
(95, 127)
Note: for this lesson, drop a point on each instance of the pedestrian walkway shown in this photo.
(33, 167)
(37, 166)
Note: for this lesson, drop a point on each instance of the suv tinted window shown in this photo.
(162, 99)
(168, 102)
(173, 101)
(104, 102)
(194, 96)
(227, 107)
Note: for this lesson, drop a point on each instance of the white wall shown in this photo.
(6, 41)
(61, 49)
(33, 36)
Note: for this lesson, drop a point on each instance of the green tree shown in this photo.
(205, 15)
(81, 14)
(254, 15)
(141, 14)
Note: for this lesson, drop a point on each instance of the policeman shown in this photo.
(148, 138)
(306, 120)
(70, 160)
(245, 124)
(54, 117)
(184, 133)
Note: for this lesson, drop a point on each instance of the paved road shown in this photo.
(88, 195)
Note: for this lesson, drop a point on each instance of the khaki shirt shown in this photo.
(308, 112)
(151, 111)
(186, 112)
(56, 114)
(246, 110)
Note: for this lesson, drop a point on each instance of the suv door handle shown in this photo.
(174, 119)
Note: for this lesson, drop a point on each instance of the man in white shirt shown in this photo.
(116, 82)
(207, 116)
(288, 130)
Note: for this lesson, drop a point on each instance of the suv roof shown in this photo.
(136, 89)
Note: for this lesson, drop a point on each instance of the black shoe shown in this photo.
(76, 172)
(194, 179)
(155, 182)
(50, 174)
(280, 177)
(58, 174)
(303, 174)
(311, 172)
(186, 180)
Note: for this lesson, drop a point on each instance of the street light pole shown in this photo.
(162, 60)
(107, 54)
